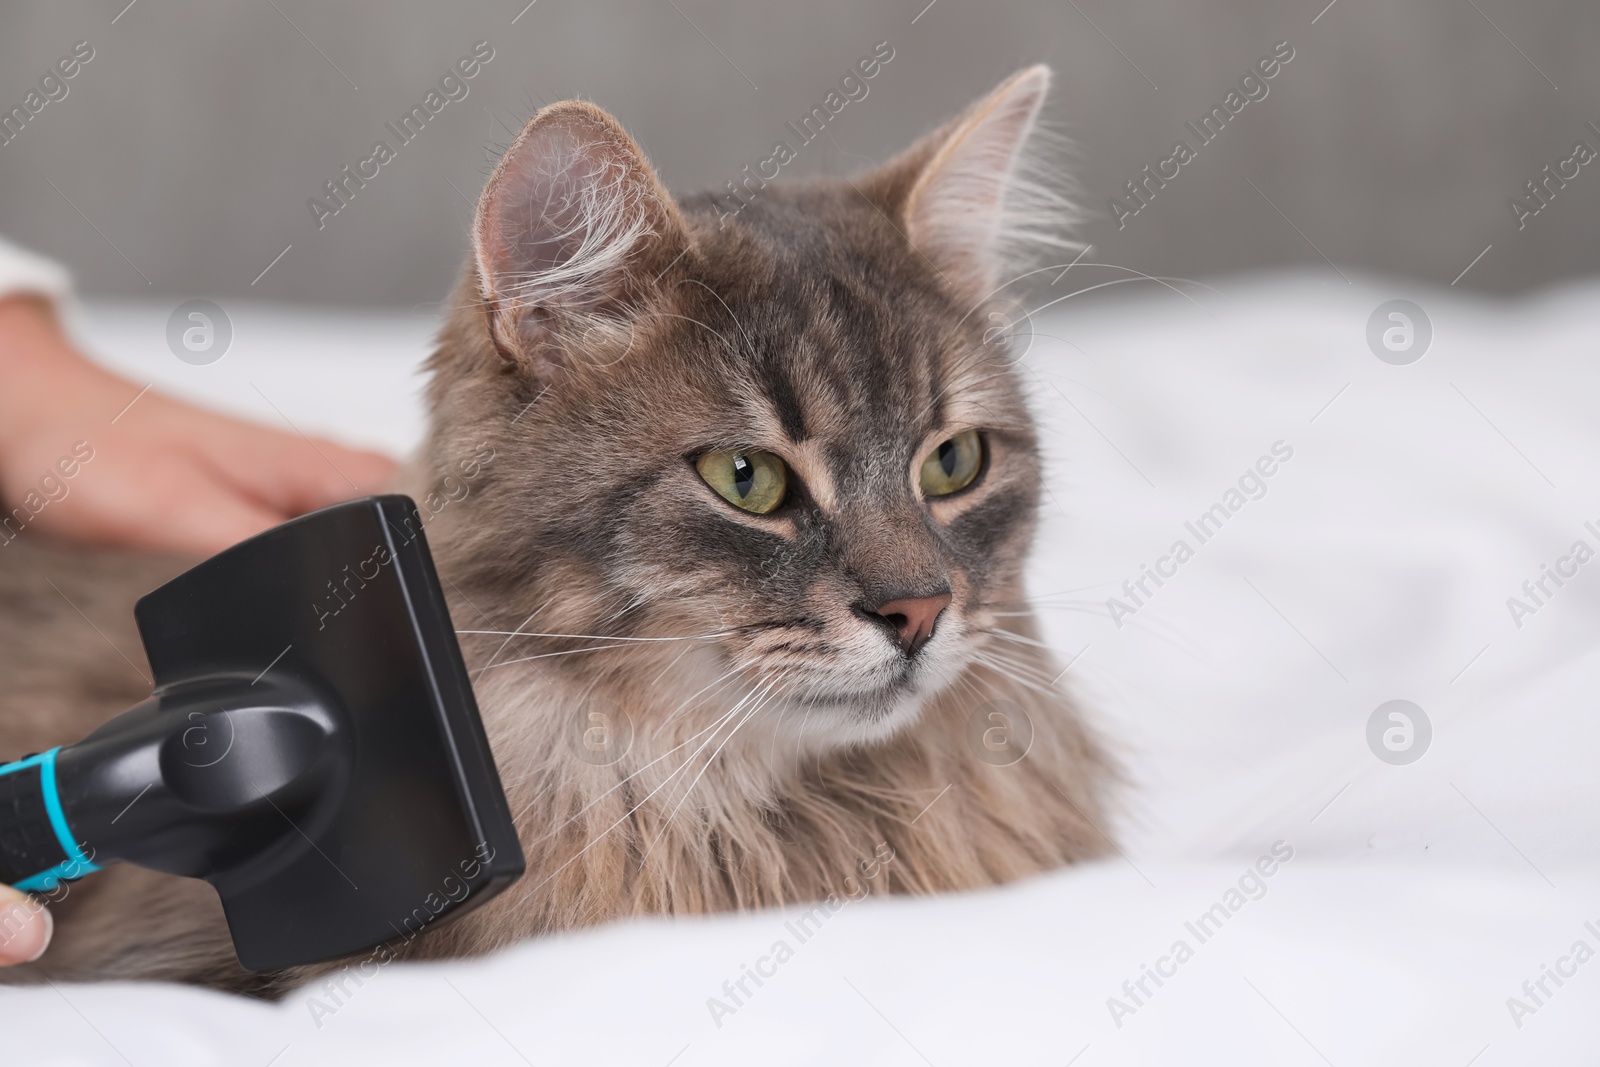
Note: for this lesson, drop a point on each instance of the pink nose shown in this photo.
(913, 618)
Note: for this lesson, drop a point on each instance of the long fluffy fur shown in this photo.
(592, 573)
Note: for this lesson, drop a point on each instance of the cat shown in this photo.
(739, 579)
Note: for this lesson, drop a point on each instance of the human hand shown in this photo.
(25, 927)
(164, 475)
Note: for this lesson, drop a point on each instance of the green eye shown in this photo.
(748, 479)
(953, 465)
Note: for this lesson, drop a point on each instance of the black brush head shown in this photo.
(333, 737)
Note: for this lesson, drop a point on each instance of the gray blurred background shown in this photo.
(181, 160)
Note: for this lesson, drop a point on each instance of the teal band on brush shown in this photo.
(37, 849)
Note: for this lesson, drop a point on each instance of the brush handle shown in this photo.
(37, 848)
(190, 782)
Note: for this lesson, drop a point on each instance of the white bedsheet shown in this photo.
(1377, 566)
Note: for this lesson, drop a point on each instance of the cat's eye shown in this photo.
(953, 465)
(746, 478)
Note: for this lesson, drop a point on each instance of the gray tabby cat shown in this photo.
(741, 588)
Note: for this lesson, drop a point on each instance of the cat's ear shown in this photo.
(572, 232)
(965, 195)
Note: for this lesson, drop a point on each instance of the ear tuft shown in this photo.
(977, 196)
(571, 230)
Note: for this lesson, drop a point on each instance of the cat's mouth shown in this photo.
(886, 699)
(882, 696)
(842, 680)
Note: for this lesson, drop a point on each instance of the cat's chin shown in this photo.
(832, 719)
(826, 722)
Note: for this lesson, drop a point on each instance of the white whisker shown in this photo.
(715, 725)
(645, 799)
(1021, 640)
(547, 655)
(755, 707)
(602, 637)
(1019, 673)
(507, 641)
(715, 683)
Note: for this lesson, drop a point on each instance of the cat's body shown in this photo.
(696, 704)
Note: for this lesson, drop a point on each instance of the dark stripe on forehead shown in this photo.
(936, 397)
(868, 366)
(779, 388)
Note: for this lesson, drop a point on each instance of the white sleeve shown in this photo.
(22, 271)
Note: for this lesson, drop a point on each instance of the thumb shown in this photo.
(25, 927)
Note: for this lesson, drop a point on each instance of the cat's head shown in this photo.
(773, 462)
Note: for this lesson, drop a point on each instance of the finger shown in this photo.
(209, 516)
(291, 473)
(157, 502)
(345, 472)
(25, 927)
